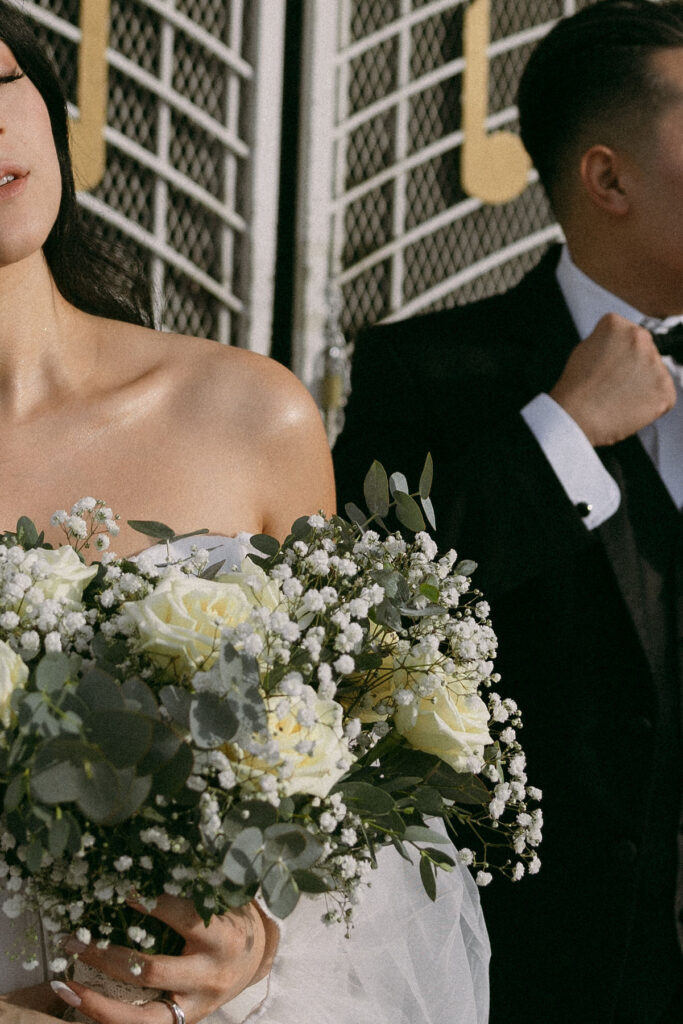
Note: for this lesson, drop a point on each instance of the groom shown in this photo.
(558, 446)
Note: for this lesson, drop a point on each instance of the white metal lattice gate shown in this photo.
(396, 214)
(192, 133)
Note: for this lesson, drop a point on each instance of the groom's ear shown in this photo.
(604, 175)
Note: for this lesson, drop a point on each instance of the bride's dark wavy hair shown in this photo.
(92, 275)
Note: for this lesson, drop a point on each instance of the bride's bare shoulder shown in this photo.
(256, 386)
(207, 380)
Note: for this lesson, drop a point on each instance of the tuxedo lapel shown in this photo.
(543, 316)
(640, 538)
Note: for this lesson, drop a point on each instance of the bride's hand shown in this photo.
(217, 963)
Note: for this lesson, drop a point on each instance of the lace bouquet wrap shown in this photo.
(224, 733)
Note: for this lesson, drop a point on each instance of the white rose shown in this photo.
(315, 772)
(451, 725)
(68, 576)
(183, 618)
(13, 674)
(259, 588)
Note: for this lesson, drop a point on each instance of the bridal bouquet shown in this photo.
(218, 732)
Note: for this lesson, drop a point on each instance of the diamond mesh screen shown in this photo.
(176, 184)
(411, 236)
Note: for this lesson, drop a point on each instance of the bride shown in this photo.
(93, 401)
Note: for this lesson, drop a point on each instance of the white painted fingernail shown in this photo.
(65, 993)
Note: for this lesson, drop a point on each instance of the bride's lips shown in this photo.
(13, 180)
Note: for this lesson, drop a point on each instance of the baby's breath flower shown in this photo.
(344, 665)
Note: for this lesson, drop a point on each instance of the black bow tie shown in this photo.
(670, 343)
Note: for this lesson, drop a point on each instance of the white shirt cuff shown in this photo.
(575, 463)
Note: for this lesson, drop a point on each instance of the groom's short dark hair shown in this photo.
(591, 80)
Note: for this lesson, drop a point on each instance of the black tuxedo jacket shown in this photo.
(588, 644)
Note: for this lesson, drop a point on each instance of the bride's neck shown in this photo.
(39, 339)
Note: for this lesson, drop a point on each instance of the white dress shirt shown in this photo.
(568, 450)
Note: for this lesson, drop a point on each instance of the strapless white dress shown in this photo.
(408, 960)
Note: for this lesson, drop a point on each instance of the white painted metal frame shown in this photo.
(253, 307)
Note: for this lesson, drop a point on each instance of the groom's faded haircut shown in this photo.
(591, 81)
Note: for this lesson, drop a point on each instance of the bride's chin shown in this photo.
(20, 246)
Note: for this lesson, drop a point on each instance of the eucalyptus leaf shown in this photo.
(311, 881)
(177, 702)
(422, 834)
(428, 509)
(213, 721)
(421, 613)
(124, 737)
(376, 489)
(17, 751)
(391, 822)
(97, 789)
(57, 784)
(408, 512)
(364, 797)
(53, 671)
(398, 845)
(202, 531)
(100, 691)
(109, 654)
(45, 721)
(243, 863)
(368, 660)
(393, 584)
(150, 528)
(37, 817)
(59, 836)
(264, 543)
(441, 858)
(387, 614)
(172, 775)
(466, 789)
(139, 697)
(257, 812)
(163, 747)
(280, 891)
(292, 845)
(109, 797)
(212, 571)
(286, 809)
(240, 676)
(301, 528)
(34, 855)
(428, 800)
(428, 877)
(398, 484)
(354, 514)
(465, 568)
(14, 793)
(429, 591)
(402, 782)
(27, 534)
(426, 477)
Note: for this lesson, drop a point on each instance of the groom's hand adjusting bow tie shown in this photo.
(670, 343)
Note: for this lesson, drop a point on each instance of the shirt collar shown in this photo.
(589, 301)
